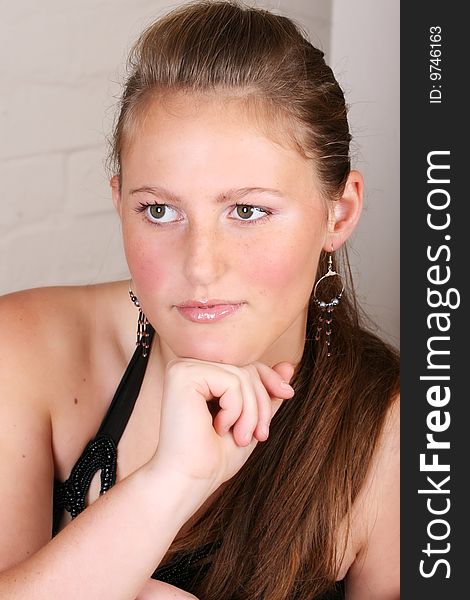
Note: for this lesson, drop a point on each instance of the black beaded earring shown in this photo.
(142, 325)
(327, 307)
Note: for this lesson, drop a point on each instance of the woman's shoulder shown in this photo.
(376, 515)
(45, 331)
(380, 369)
(68, 306)
(384, 469)
(34, 323)
(40, 314)
(48, 315)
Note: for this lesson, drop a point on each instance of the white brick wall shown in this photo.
(59, 65)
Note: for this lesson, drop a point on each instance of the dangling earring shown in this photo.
(142, 325)
(327, 308)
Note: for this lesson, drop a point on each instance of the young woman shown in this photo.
(208, 474)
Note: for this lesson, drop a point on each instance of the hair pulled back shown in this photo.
(275, 525)
(228, 47)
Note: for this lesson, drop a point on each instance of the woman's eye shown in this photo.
(161, 213)
(246, 212)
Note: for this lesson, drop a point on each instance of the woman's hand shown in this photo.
(157, 590)
(210, 448)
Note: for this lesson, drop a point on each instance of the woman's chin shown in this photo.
(217, 353)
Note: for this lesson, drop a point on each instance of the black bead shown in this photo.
(99, 455)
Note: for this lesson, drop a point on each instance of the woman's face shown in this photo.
(222, 229)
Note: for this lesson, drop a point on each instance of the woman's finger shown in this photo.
(265, 410)
(245, 426)
(249, 408)
(285, 370)
(230, 408)
(276, 380)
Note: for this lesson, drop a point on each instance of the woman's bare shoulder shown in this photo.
(50, 326)
(375, 571)
(35, 314)
(45, 335)
(38, 308)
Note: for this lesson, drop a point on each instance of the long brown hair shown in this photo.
(276, 522)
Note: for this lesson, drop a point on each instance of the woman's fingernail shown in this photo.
(286, 386)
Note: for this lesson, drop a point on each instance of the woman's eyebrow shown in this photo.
(238, 194)
(156, 191)
(231, 195)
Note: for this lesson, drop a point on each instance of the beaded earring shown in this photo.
(142, 325)
(327, 307)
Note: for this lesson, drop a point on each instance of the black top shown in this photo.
(101, 454)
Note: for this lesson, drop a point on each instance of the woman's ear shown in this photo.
(115, 184)
(345, 212)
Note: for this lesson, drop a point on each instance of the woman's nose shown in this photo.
(204, 260)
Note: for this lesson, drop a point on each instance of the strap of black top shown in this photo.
(124, 399)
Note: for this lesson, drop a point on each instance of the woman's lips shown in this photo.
(208, 312)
